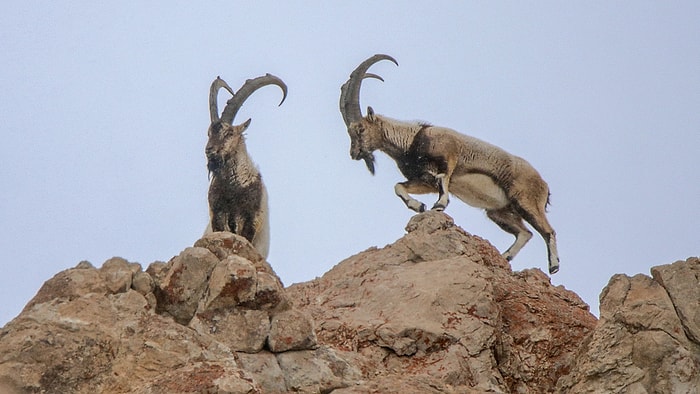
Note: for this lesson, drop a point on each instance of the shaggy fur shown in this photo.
(440, 160)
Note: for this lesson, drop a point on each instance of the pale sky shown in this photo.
(104, 118)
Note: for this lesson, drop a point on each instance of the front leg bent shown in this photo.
(403, 189)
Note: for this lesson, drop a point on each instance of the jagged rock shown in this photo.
(203, 377)
(441, 303)
(242, 330)
(96, 342)
(438, 311)
(291, 330)
(185, 283)
(316, 371)
(265, 289)
(640, 345)
(233, 282)
(143, 283)
(70, 284)
(269, 294)
(117, 274)
(225, 244)
(682, 281)
(265, 370)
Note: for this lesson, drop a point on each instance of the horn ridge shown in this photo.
(350, 91)
(245, 91)
(217, 84)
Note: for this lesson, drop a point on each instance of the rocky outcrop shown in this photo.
(647, 338)
(441, 311)
(438, 311)
(185, 326)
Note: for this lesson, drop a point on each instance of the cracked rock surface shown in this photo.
(438, 311)
(443, 307)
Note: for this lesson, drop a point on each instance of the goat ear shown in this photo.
(370, 114)
(246, 124)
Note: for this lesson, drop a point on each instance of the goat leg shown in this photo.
(403, 189)
(443, 193)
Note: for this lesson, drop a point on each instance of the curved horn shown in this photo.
(250, 86)
(350, 91)
(213, 97)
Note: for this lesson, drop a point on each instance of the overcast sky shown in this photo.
(104, 118)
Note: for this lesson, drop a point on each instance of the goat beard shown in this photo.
(369, 161)
(214, 163)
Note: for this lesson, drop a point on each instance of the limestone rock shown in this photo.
(438, 311)
(241, 330)
(233, 282)
(645, 340)
(316, 371)
(265, 370)
(203, 377)
(682, 281)
(225, 244)
(143, 283)
(182, 288)
(442, 305)
(70, 284)
(291, 330)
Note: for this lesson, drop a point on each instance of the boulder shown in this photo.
(645, 341)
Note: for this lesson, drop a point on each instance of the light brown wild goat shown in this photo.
(237, 194)
(441, 160)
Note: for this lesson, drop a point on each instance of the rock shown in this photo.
(69, 285)
(117, 274)
(316, 371)
(233, 282)
(240, 330)
(269, 294)
(158, 270)
(291, 330)
(644, 341)
(438, 311)
(682, 281)
(441, 304)
(265, 370)
(182, 288)
(224, 244)
(203, 377)
(143, 283)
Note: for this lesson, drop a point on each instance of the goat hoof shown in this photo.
(438, 207)
(553, 270)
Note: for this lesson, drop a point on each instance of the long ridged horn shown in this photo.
(350, 91)
(250, 86)
(213, 97)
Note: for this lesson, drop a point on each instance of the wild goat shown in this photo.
(440, 160)
(237, 194)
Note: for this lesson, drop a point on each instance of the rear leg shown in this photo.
(509, 220)
(536, 217)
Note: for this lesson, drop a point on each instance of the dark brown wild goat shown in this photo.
(237, 194)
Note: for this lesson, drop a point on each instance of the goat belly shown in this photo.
(478, 190)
